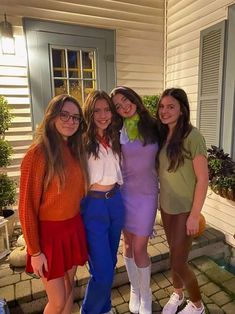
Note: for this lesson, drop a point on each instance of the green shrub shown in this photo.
(5, 115)
(7, 191)
(151, 102)
(5, 153)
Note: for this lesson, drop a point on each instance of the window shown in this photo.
(73, 72)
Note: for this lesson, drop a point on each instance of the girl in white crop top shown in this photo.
(102, 208)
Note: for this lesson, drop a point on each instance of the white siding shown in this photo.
(14, 86)
(185, 19)
(220, 214)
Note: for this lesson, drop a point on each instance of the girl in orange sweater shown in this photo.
(52, 184)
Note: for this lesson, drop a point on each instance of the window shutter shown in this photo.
(210, 93)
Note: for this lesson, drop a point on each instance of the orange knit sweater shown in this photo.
(36, 205)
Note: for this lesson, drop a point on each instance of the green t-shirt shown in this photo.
(177, 188)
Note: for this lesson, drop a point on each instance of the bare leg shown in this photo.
(69, 288)
(55, 290)
(60, 293)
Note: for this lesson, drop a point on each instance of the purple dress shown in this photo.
(140, 188)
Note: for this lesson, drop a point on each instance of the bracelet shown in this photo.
(37, 254)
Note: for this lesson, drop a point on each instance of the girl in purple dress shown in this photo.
(138, 138)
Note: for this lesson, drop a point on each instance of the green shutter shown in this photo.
(210, 92)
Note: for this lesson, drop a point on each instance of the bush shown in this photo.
(7, 191)
(5, 153)
(7, 185)
(5, 115)
(151, 102)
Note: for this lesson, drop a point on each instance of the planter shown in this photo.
(10, 215)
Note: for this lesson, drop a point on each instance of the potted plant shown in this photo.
(221, 169)
(7, 185)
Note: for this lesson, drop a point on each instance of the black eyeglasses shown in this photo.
(65, 116)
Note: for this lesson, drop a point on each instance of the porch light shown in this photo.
(7, 39)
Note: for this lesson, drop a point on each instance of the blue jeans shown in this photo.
(103, 219)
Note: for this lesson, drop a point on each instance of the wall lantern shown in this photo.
(7, 39)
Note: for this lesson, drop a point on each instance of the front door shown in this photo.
(69, 59)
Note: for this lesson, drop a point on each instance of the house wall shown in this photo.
(139, 50)
(184, 21)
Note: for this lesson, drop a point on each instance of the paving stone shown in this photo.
(205, 298)
(203, 263)
(161, 280)
(24, 276)
(229, 285)
(156, 307)
(6, 272)
(38, 290)
(23, 291)
(116, 298)
(210, 288)
(229, 308)
(161, 294)
(221, 298)
(8, 293)
(202, 279)
(36, 306)
(153, 252)
(125, 292)
(218, 274)
(156, 240)
(123, 308)
(214, 309)
(9, 280)
(154, 286)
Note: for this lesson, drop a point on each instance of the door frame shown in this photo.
(40, 34)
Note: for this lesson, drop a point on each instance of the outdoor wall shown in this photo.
(139, 50)
(184, 21)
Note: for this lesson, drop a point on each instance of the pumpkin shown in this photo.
(202, 226)
(21, 241)
(17, 257)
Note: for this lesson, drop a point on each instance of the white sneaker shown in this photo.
(172, 305)
(190, 308)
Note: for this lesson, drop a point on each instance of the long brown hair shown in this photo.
(175, 148)
(111, 133)
(49, 140)
(147, 124)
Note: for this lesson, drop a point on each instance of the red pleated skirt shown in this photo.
(64, 245)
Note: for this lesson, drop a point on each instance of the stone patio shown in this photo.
(25, 294)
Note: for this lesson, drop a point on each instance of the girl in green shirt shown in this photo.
(183, 176)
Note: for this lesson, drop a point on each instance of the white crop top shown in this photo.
(104, 170)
